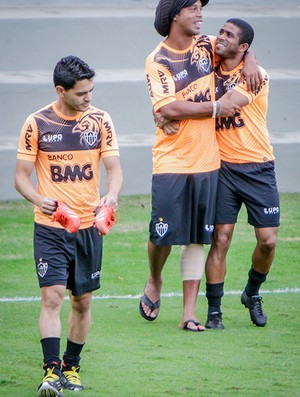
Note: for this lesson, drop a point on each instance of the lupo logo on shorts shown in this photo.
(95, 275)
(209, 228)
(271, 210)
(42, 268)
(161, 228)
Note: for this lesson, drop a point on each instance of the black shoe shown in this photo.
(257, 314)
(214, 321)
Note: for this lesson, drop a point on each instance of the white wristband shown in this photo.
(214, 112)
(220, 108)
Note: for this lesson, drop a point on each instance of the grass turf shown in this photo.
(128, 356)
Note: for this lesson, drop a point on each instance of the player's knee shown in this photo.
(52, 297)
(82, 303)
(192, 262)
(221, 242)
(268, 244)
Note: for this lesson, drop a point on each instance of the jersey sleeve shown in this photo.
(160, 84)
(28, 141)
(262, 89)
(109, 143)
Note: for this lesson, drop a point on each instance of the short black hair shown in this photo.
(246, 34)
(69, 70)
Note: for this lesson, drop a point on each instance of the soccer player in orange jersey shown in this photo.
(247, 175)
(65, 141)
(180, 79)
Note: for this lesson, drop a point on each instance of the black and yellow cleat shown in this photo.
(71, 379)
(51, 385)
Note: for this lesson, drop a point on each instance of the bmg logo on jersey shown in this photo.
(71, 173)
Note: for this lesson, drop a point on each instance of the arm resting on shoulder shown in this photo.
(251, 71)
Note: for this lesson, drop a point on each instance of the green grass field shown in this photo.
(126, 356)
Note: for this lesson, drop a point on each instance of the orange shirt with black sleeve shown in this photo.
(67, 153)
(244, 137)
(186, 76)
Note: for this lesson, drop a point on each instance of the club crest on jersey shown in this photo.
(42, 268)
(89, 126)
(203, 65)
(161, 228)
(90, 137)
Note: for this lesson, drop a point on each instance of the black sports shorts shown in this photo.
(69, 259)
(253, 184)
(183, 208)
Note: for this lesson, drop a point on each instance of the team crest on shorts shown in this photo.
(161, 228)
(42, 268)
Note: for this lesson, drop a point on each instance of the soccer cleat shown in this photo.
(51, 385)
(104, 218)
(71, 379)
(214, 321)
(66, 217)
(257, 314)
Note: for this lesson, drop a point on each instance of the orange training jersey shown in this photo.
(244, 138)
(186, 76)
(67, 153)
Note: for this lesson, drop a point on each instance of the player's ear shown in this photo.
(244, 47)
(60, 90)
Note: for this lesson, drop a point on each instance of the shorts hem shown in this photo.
(75, 293)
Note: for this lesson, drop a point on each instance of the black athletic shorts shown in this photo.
(69, 259)
(183, 208)
(253, 184)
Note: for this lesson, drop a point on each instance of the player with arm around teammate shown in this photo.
(247, 175)
(185, 165)
(65, 141)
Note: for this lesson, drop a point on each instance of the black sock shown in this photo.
(255, 280)
(51, 352)
(71, 356)
(214, 293)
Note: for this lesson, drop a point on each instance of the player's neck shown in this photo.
(179, 42)
(65, 110)
(228, 64)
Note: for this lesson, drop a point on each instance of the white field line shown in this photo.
(165, 295)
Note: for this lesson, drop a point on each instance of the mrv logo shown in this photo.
(69, 173)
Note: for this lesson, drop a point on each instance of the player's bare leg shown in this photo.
(192, 261)
(215, 269)
(157, 258)
(190, 295)
(49, 320)
(80, 317)
(264, 252)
